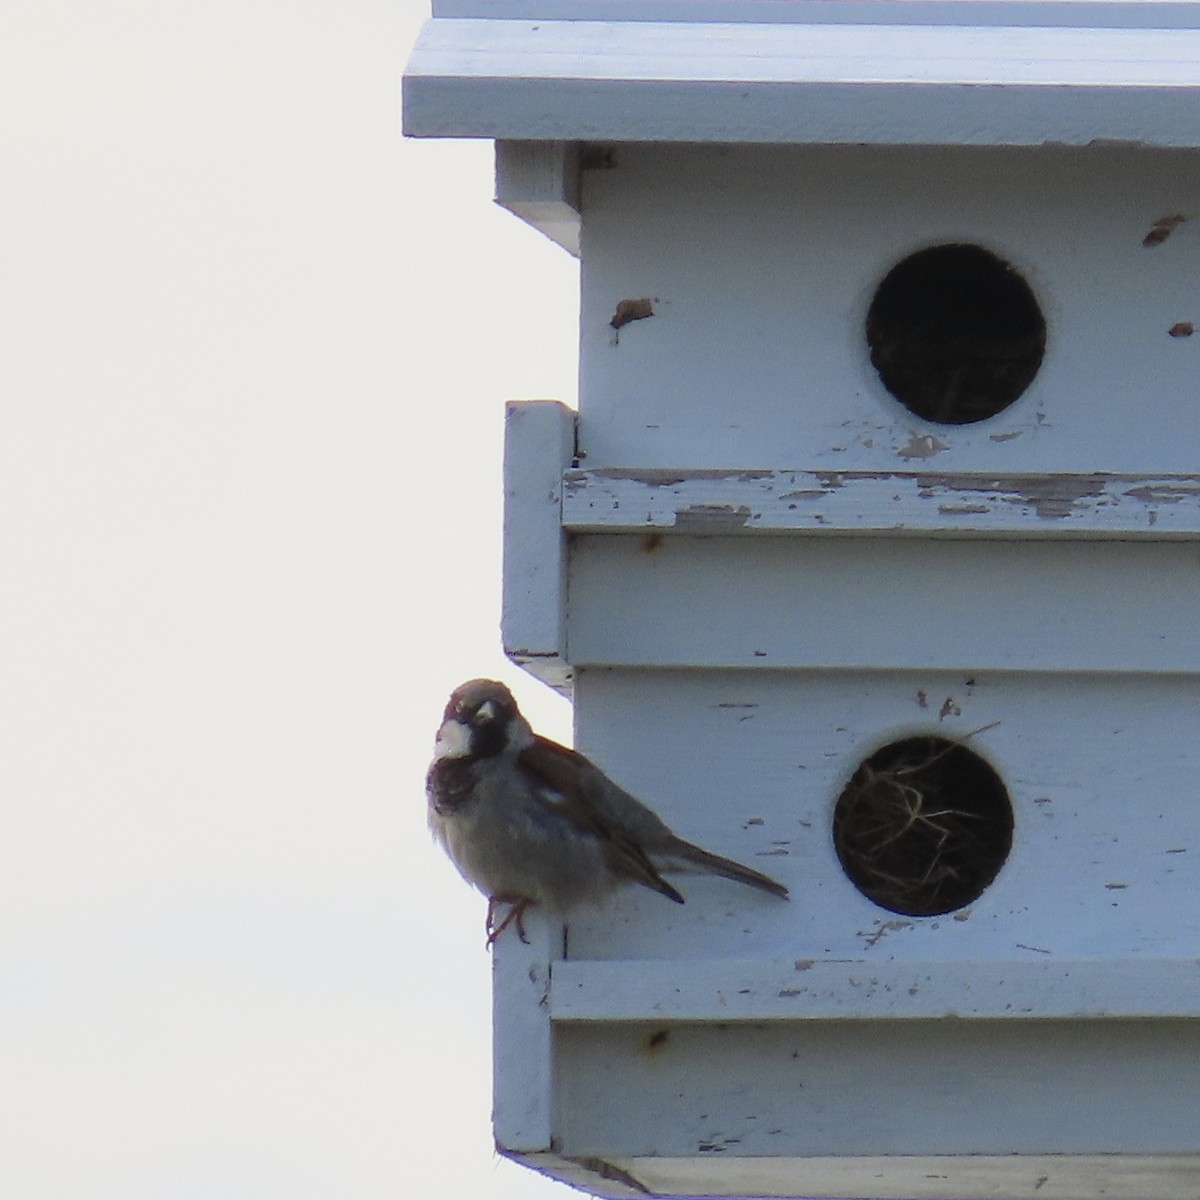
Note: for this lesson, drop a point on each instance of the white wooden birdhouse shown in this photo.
(871, 559)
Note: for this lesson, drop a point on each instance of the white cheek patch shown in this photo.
(453, 741)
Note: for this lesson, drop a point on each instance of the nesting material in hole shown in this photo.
(955, 334)
(923, 826)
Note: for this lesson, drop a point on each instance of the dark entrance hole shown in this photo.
(955, 334)
(923, 826)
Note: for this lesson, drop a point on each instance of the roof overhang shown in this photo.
(896, 73)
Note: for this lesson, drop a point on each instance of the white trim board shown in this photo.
(731, 82)
(917, 503)
(1103, 14)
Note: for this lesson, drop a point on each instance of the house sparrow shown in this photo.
(528, 821)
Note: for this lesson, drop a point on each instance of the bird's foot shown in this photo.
(515, 915)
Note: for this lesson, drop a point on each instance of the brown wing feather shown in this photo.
(560, 770)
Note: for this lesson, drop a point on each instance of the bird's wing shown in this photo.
(562, 778)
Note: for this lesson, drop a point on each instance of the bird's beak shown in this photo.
(487, 710)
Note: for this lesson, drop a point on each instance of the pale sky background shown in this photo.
(254, 350)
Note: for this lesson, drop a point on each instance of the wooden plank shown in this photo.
(897, 84)
(871, 604)
(1105, 14)
(1100, 771)
(920, 1177)
(718, 1090)
(841, 989)
(521, 1041)
(921, 503)
(757, 356)
(539, 441)
(539, 183)
(884, 1177)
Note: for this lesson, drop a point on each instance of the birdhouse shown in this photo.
(871, 560)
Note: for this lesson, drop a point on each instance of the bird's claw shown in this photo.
(515, 915)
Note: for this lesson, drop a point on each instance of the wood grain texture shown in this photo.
(914, 503)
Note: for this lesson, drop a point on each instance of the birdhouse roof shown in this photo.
(934, 72)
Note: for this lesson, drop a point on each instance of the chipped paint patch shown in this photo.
(632, 310)
(922, 445)
(712, 518)
(1163, 228)
(882, 928)
(1165, 493)
(743, 501)
(1051, 496)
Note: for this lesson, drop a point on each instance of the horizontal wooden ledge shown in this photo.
(893, 1176)
(962, 504)
(856, 989)
(886, 84)
(1094, 14)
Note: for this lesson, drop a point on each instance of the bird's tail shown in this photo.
(684, 857)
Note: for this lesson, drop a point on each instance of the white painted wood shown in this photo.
(738, 81)
(921, 503)
(762, 264)
(539, 182)
(1105, 14)
(539, 444)
(930, 1177)
(1100, 771)
(808, 989)
(874, 1088)
(885, 603)
(1042, 602)
(521, 1043)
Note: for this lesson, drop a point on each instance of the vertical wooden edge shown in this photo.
(521, 1037)
(539, 443)
(539, 183)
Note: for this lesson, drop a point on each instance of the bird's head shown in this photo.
(481, 721)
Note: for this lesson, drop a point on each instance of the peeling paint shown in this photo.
(666, 477)
(719, 502)
(712, 518)
(922, 445)
(1164, 493)
(632, 310)
(1052, 496)
(882, 929)
(1163, 228)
